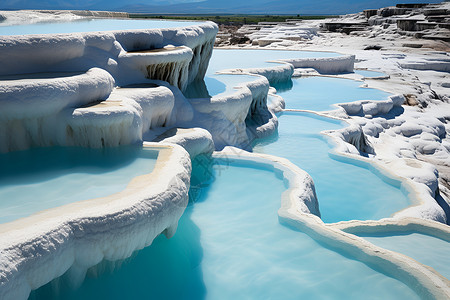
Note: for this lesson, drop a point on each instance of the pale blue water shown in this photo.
(345, 190)
(42, 178)
(219, 85)
(230, 245)
(216, 85)
(425, 249)
(369, 74)
(89, 25)
(222, 59)
(243, 59)
(319, 93)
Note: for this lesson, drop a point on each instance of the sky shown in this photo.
(292, 7)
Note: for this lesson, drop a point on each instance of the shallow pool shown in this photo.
(243, 59)
(320, 93)
(345, 191)
(222, 59)
(230, 245)
(370, 74)
(90, 25)
(42, 178)
(217, 85)
(425, 249)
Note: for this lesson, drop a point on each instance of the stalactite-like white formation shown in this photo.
(46, 107)
(31, 107)
(104, 98)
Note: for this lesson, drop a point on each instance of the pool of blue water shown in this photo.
(217, 85)
(345, 191)
(90, 25)
(42, 178)
(320, 93)
(370, 74)
(230, 245)
(223, 59)
(426, 249)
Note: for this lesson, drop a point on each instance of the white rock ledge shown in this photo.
(237, 118)
(325, 65)
(36, 249)
(280, 72)
(43, 107)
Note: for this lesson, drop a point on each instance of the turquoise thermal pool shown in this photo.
(42, 178)
(426, 249)
(217, 85)
(345, 191)
(370, 74)
(89, 25)
(223, 59)
(230, 244)
(320, 93)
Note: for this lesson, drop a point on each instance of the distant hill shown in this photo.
(291, 7)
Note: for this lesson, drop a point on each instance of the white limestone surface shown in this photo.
(76, 52)
(325, 65)
(195, 141)
(237, 118)
(43, 107)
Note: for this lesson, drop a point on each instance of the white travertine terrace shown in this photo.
(36, 95)
(75, 237)
(93, 89)
(325, 65)
(105, 98)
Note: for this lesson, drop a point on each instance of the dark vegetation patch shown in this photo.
(229, 19)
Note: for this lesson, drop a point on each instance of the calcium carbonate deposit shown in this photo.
(228, 132)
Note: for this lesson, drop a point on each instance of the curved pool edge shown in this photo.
(401, 172)
(240, 116)
(36, 249)
(403, 225)
(300, 184)
(424, 205)
(296, 213)
(283, 69)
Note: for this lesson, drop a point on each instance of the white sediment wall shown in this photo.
(325, 65)
(369, 107)
(30, 108)
(278, 73)
(77, 52)
(41, 106)
(239, 117)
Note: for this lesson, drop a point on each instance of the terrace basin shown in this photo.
(345, 191)
(426, 249)
(320, 93)
(230, 244)
(42, 178)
